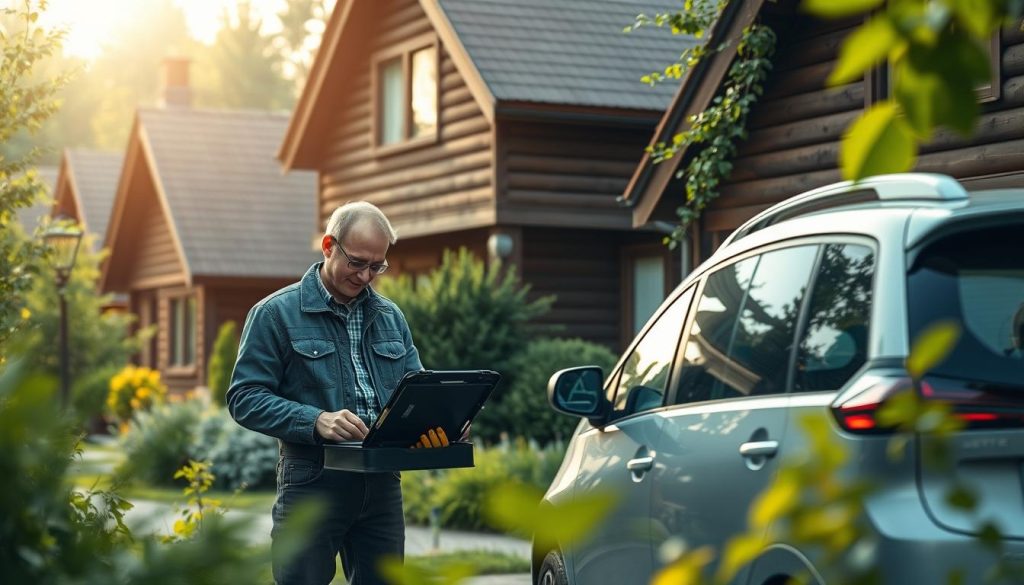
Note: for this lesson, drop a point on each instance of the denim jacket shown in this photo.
(293, 360)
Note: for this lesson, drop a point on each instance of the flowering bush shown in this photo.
(134, 389)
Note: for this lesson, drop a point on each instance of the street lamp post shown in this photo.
(63, 238)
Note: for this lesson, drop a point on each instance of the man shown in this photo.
(317, 360)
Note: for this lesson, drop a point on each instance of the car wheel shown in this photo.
(552, 570)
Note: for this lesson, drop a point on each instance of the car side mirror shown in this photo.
(579, 391)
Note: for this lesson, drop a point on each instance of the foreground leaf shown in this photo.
(932, 347)
(879, 142)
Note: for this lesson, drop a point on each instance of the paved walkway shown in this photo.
(150, 517)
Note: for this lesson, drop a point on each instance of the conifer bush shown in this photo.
(524, 407)
(465, 316)
(222, 362)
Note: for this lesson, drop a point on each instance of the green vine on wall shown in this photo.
(717, 129)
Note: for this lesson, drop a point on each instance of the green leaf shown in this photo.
(775, 502)
(864, 48)
(839, 8)
(514, 507)
(931, 347)
(962, 498)
(686, 570)
(978, 16)
(918, 93)
(880, 141)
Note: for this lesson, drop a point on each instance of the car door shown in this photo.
(716, 446)
(617, 458)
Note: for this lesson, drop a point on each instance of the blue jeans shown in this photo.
(361, 520)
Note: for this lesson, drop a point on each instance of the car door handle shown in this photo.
(640, 463)
(759, 448)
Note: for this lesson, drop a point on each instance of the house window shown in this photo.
(879, 80)
(183, 331)
(406, 88)
(645, 284)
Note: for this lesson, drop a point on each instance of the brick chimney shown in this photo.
(175, 91)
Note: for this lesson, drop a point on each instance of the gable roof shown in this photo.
(694, 94)
(232, 212)
(568, 52)
(560, 53)
(89, 179)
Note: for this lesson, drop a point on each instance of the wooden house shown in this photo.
(84, 191)
(509, 127)
(86, 183)
(203, 226)
(796, 127)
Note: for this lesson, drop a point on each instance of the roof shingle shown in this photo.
(569, 52)
(236, 214)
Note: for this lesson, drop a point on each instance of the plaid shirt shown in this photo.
(351, 315)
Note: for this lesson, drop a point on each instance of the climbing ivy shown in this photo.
(718, 128)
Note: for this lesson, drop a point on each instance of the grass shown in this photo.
(484, 562)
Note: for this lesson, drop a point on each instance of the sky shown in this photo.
(89, 22)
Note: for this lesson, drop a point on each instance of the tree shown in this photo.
(242, 67)
(934, 52)
(225, 352)
(100, 342)
(127, 72)
(24, 105)
(302, 25)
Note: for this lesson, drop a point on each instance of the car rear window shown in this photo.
(975, 278)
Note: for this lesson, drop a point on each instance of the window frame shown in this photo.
(611, 385)
(878, 80)
(628, 258)
(820, 240)
(182, 343)
(402, 51)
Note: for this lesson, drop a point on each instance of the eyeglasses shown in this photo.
(361, 265)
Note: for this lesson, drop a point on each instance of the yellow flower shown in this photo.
(25, 313)
(135, 404)
(143, 393)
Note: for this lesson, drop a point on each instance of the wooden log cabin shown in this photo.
(509, 127)
(84, 191)
(795, 129)
(204, 225)
(85, 187)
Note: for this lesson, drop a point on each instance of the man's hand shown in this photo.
(432, 438)
(343, 425)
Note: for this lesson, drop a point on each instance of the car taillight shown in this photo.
(978, 404)
(855, 409)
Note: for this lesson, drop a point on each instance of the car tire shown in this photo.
(552, 570)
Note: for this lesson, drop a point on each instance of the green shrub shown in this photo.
(459, 494)
(89, 393)
(240, 457)
(524, 404)
(222, 361)
(466, 316)
(157, 441)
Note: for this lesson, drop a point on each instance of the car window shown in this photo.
(835, 343)
(646, 369)
(976, 279)
(744, 327)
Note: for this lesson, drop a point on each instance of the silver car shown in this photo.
(809, 309)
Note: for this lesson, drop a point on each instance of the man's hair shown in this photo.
(352, 213)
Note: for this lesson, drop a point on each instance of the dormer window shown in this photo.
(406, 94)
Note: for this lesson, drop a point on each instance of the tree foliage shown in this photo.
(934, 53)
(242, 68)
(25, 104)
(97, 339)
